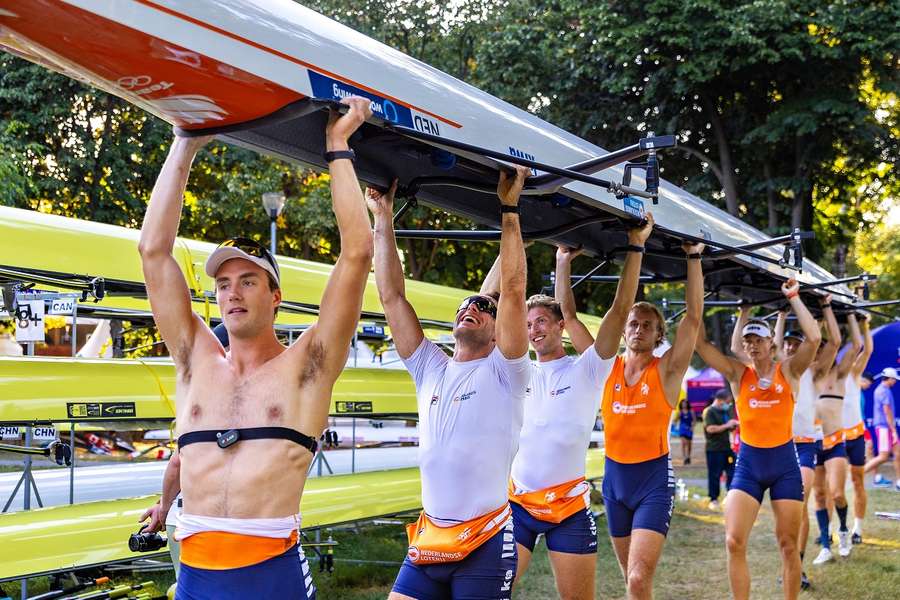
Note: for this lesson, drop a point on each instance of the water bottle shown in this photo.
(682, 489)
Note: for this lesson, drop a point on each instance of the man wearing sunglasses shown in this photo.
(547, 488)
(470, 413)
(248, 418)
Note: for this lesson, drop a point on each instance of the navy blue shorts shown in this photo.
(576, 534)
(856, 451)
(639, 495)
(836, 451)
(806, 453)
(775, 469)
(284, 576)
(486, 573)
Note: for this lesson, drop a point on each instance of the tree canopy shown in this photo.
(786, 115)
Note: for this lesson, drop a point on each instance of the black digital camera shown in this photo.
(146, 541)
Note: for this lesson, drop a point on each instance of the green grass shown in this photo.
(692, 566)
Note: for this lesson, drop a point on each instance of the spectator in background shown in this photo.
(686, 429)
(885, 425)
(718, 422)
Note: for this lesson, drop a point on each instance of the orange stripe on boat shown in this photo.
(290, 58)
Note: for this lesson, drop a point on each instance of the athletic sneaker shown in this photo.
(881, 480)
(897, 486)
(804, 581)
(714, 505)
(824, 556)
(856, 538)
(844, 544)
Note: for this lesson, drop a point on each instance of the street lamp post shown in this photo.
(273, 203)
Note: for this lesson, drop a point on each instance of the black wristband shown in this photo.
(633, 248)
(509, 209)
(338, 154)
(826, 305)
(695, 256)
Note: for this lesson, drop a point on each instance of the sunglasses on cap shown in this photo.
(253, 248)
(482, 303)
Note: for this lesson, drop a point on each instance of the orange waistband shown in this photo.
(832, 440)
(429, 543)
(219, 550)
(555, 503)
(804, 440)
(854, 432)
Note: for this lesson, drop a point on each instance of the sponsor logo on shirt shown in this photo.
(434, 399)
(645, 389)
(560, 391)
(755, 403)
(627, 409)
(779, 388)
(465, 396)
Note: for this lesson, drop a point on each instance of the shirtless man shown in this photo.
(548, 492)
(854, 428)
(248, 419)
(831, 461)
(767, 460)
(470, 414)
(640, 393)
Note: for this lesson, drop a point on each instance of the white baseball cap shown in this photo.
(246, 249)
(889, 372)
(760, 329)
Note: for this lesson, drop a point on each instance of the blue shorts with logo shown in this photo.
(836, 451)
(284, 576)
(486, 573)
(806, 453)
(576, 534)
(639, 495)
(856, 451)
(775, 469)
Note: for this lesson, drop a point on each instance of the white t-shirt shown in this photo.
(805, 408)
(470, 414)
(560, 411)
(851, 414)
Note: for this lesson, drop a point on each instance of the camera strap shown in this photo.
(228, 437)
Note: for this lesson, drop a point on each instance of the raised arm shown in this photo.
(578, 332)
(731, 368)
(342, 299)
(167, 290)
(676, 360)
(823, 363)
(845, 365)
(780, 325)
(610, 334)
(862, 359)
(406, 330)
(737, 348)
(806, 352)
(511, 327)
(491, 284)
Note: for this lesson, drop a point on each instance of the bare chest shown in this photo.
(217, 398)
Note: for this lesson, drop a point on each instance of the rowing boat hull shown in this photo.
(120, 393)
(245, 67)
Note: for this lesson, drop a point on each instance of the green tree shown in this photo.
(766, 97)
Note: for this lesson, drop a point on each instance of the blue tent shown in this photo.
(886, 354)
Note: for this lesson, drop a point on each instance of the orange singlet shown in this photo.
(766, 415)
(635, 418)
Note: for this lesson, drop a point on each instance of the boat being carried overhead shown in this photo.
(263, 74)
